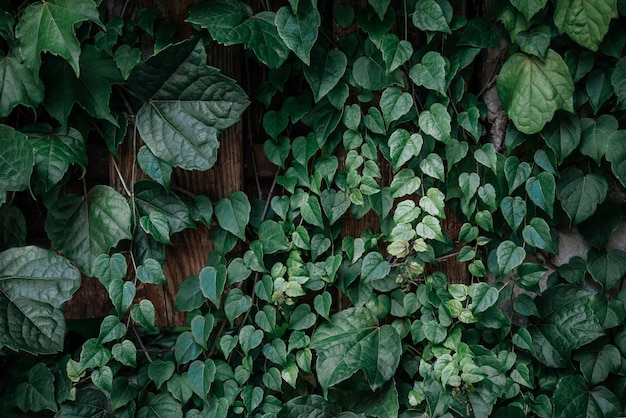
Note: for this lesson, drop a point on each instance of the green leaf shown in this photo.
(126, 353)
(514, 211)
(433, 203)
(395, 51)
(509, 256)
(220, 17)
(151, 196)
(394, 104)
(618, 80)
(161, 405)
(567, 322)
(233, 214)
(201, 375)
(322, 304)
(157, 169)
(432, 15)
(89, 403)
(516, 173)
(236, 303)
(37, 392)
(403, 146)
(369, 72)
(111, 329)
(273, 237)
(12, 227)
(585, 22)
(325, 71)
(302, 318)
(277, 151)
(151, 271)
(616, 154)
(431, 72)
(599, 88)
(436, 122)
(160, 371)
(157, 225)
(16, 161)
(21, 86)
(353, 340)
(143, 314)
(298, 29)
(49, 27)
(581, 194)
(212, 282)
(430, 228)
(595, 136)
(93, 355)
(404, 183)
(469, 120)
(312, 212)
(309, 406)
(531, 89)
(121, 294)
(573, 397)
(83, 227)
(91, 90)
(563, 134)
(486, 155)
(541, 191)
(374, 267)
(35, 283)
(529, 8)
(607, 267)
(596, 365)
(182, 118)
(483, 297)
(537, 234)
(335, 204)
(432, 166)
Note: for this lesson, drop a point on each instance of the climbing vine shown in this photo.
(508, 116)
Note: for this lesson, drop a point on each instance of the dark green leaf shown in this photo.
(89, 403)
(49, 27)
(432, 15)
(152, 197)
(535, 41)
(529, 8)
(161, 405)
(596, 365)
(37, 392)
(541, 191)
(563, 134)
(607, 267)
(431, 72)
(20, 85)
(581, 194)
(212, 282)
(595, 136)
(143, 314)
(12, 227)
(298, 29)
(394, 104)
(531, 89)
(599, 88)
(573, 397)
(616, 154)
(509, 256)
(309, 406)
(537, 234)
(16, 161)
(236, 303)
(157, 169)
(182, 118)
(353, 340)
(514, 211)
(516, 173)
(325, 71)
(395, 52)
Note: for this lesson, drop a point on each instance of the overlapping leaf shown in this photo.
(586, 22)
(19, 85)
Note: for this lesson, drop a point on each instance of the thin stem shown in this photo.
(143, 348)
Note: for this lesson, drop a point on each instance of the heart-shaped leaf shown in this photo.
(587, 22)
(233, 214)
(325, 71)
(581, 194)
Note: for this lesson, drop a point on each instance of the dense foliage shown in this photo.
(391, 111)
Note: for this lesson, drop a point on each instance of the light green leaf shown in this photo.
(143, 314)
(514, 211)
(531, 89)
(585, 22)
(20, 85)
(469, 120)
(430, 228)
(541, 190)
(432, 15)
(157, 225)
(37, 392)
(49, 27)
(436, 122)
(353, 340)
(581, 194)
(486, 155)
(298, 29)
(126, 353)
(403, 146)
(529, 8)
(325, 71)
(537, 234)
(434, 203)
(404, 183)
(394, 104)
(233, 214)
(182, 118)
(83, 227)
(91, 90)
(111, 329)
(483, 297)
(395, 51)
(595, 136)
(432, 166)
(509, 256)
(201, 375)
(431, 72)
(212, 282)
(312, 212)
(121, 294)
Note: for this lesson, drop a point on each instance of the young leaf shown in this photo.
(531, 89)
(580, 194)
(233, 214)
(49, 27)
(83, 227)
(586, 23)
(436, 122)
(298, 29)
